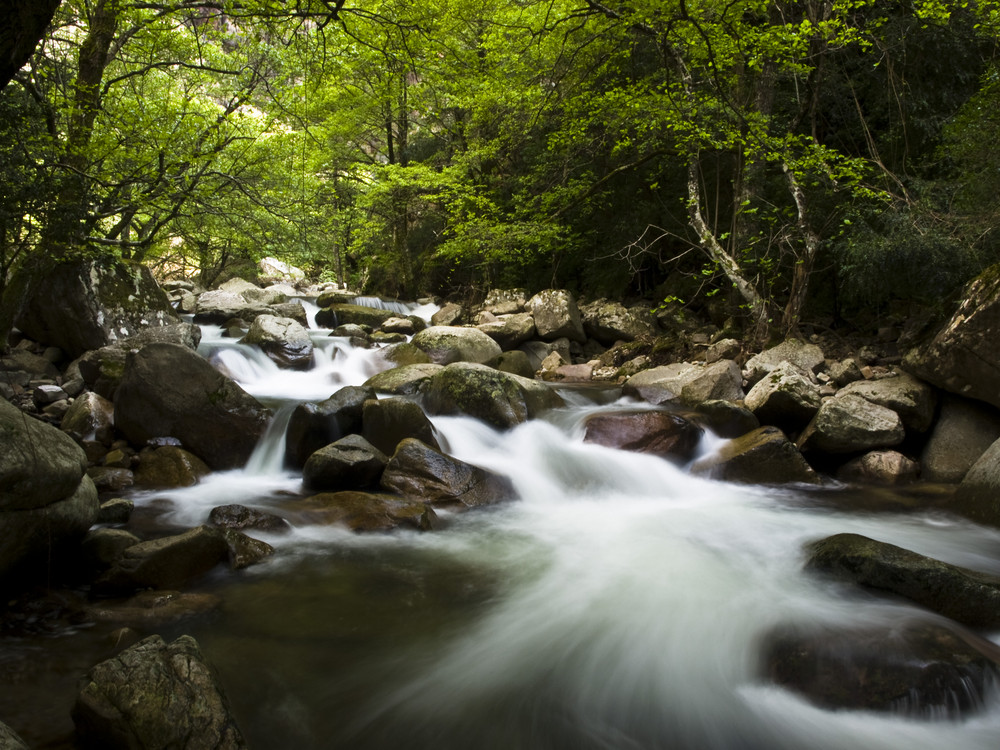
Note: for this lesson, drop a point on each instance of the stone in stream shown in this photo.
(658, 433)
(285, 341)
(363, 511)
(387, 421)
(155, 694)
(763, 456)
(880, 467)
(349, 463)
(241, 518)
(151, 609)
(91, 417)
(785, 397)
(313, 425)
(404, 380)
(445, 345)
(169, 466)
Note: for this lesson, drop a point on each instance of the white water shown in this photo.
(632, 603)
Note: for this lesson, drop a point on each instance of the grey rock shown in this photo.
(285, 341)
(445, 345)
(764, 456)
(880, 467)
(313, 425)
(610, 322)
(351, 463)
(510, 331)
(387, 421)
(807, 357)
(686, 383)
(963, 432)
(913, 400)
(851, 424)
(784, 397)
(556, 315)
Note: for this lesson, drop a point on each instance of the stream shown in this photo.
(619, 603)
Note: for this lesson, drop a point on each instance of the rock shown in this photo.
(516, 363)
(978, 495)
(293, 310)
(880, 467)
(963, 358)
(365, 511)
(551, 363)
(449, 315)
(102, 370)
(311, 426)
(152, 609)
(184, 334)
(609, 322)
(582, 373)
(84, 304)
(115, 510)
(911, 399)
(240, 518)
(556, 315)
(687, 383)
(807, 357)
(416, 470)
(920, 669)
(963, 595)
(845, 371)
(155, 694)
(220, 306)
(334, 296)
(499, 398)
(242, 287)
(784, 397)
(9, 739)
(398, 355)
(445, 345)
(510, 331)
(381, 338)
(102, 548)
(505, 301)
(658, 433)
(169, 466)
(245, 551)
(110, 479)
(851, 424)
(351, 463)
(726, 418)
(339, 314)
(272, 268)
(963, 432)
(36, 366)
(168, 390)
(387, 421)
(90, 417)
(165, 563)
(406, 380)
(764, 456)
(283, 340)
(723, 349)
(395, 324)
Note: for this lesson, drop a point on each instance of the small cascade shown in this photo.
(268, 457)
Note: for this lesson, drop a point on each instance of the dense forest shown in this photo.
(768, 160)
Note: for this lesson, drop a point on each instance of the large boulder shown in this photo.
(449, 315)
(658, 433)
(963, 357)
(272, 268)
(218, 306)
(84, 304)
(880, 467)
(687, 383)
(285, 341)
(510, 331)
(505, 301)
(966, 596)
(445, 344)
(339, 314)
(418, 471)
(168, 390)
(155, 694)
(852, 424)
(168, 466)
(365, 511)
(807, 357)
(499, 398)
(784, 397)
(963, 432)
(387, 421)
(912, 399)
(91, 417)
(313, 425)
(405, 380)
(556, 315)
(978, 495)
(610, 322)
(763, 456)
(351, 463)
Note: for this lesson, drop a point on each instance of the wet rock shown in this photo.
(102, 548)
(165, 563)
(102, 370)
(245, 551)
(416, 470)
(110, 479)
(658, 433)
(381, 338)
(399, 355)
(445, 345)
(495, 397)
(169, 466)
(339, 314)
(449, 315)
(116, 510)
(726, 418)
(365, 511)
(963, 595)
(168, 390)
(963, 432)
(516, 363)
(556, 315)
(784, 397)
(406, 380)
(387, 421)
(687, 383)
(155, 694)
(764, 456)
(404, 326)
(918, 669)
(913, 400)
(851, 424)
(313, 425)
(349, 463)
(505, 301)
(510, 331)
(610, 322)
(91, 417)
(978, 495)
(807, 357)
(880, 467)
(241, 518)
(285, 341)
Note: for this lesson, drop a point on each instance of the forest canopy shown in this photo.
(767, 159)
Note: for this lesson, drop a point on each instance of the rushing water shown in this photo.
(619, 603)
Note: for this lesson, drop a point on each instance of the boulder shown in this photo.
(91, 417)
(168, 390)
(165, 563)
(418, 471)
(313, 425)
(784, 397)
(726, 419)
(36, 366)
(365, 511)
(966, 596)
(219, 306)
(406, 380)
(185, 334)
(963, 358)
(516, 363)
(387, 421)
(285, 341)
(293, 310)
(914, 401)
(169, 466)
(609, 322)
(764, 456)
(151, 609)
(658, 433)
(351, 463)
(405, 353)
(499, 398)
(505, 301)
(272, 268)
(115, 510)
(807, 357)
(723, 349)
(395, 324)
(111, 478)
(963, 432)
(920, 669)
(240, 518)
(444, 345)
(244, 550)
(978, 495)
(556, 315)
(155, 694)
(103, 547)
(449, 315)
(510, 331)
(102, 370)
(686, 383)
(83, 304)
(845, 371)
(851, 424)
(9, 739)
(880, 467)
(339, 314)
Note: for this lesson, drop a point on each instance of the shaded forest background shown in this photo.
(773, 161)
